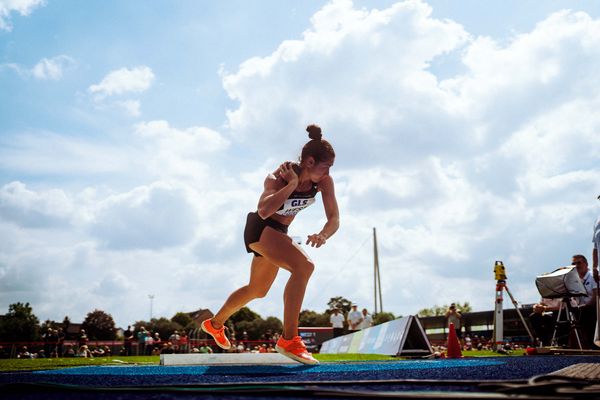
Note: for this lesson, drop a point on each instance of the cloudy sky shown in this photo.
(135, 136)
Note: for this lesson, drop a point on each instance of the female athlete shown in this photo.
(287, 191)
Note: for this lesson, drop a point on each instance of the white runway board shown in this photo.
(225, 359)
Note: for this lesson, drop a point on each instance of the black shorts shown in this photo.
(255, 225)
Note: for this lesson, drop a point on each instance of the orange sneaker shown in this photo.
(295, 349)
(217, 334)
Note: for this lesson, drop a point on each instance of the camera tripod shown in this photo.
(565, 305)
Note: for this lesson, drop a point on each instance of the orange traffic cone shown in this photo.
(453, 343)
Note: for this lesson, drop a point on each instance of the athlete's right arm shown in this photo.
(274, 194)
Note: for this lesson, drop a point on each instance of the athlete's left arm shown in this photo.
(331, 211)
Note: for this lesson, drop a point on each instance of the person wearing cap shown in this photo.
(454, 316)
(354, 319)
(596, 242)
(586, 304)
(337, 322)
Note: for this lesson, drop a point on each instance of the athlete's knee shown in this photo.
(305, 268)
(261, 292)
(257, 292)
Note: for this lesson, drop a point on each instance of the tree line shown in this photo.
(20, 324)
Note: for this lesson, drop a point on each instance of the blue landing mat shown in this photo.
(371, 367)
(496, 368)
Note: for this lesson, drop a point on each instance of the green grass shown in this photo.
(16, 364)
(55, 363)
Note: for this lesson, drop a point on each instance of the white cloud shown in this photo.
(362, 74)
(45, 69)
(124, 80)
(52, 68)
(145, 218)
(131, 107)
(23, 7)
(34, 209)
(190, 141)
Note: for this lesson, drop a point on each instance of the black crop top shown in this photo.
(298, 201)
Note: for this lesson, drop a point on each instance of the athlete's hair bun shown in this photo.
(314, 132)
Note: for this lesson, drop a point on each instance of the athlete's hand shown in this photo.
(317, 240)
(287, 173)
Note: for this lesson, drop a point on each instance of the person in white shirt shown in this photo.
(354, 319)
(454, 316)
(337, 322)
(367, 320)
(596, 241)
(586, 304)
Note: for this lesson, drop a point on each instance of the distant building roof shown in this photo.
(200, 315)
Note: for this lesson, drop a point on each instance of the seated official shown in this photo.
(586, 304)
(543, 322)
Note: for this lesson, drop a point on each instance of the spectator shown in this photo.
(149, 343)
(586, 304)
(240, 347)
(141, 337)
(69, 352)
(454, 316)
(245, 337)
(47, 339)
(367, 320)
(174, 339)
(354, 319)
(157, 340)
(468, 343)
(596, 247)
(337, 322)
(84, 352)
(83, 339)
(183, 342)
(61, 342)
(596, 241)
(128, 339)
(53, 344)
(98, 352)
(24, 353)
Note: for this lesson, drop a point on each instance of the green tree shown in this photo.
(99, 325)
(183, 319)
(20, 324)
(163, 326)
(441, 310)
(244, 314)
(433, 311)
(341, 303)
(382, 317)
(272, 324)
(313, 318)
(49, 324)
